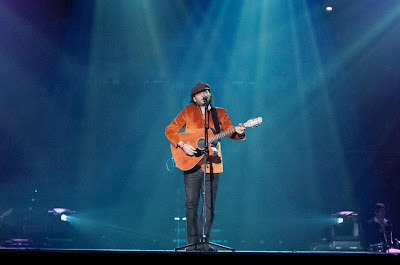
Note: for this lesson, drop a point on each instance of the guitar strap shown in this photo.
(215, 120)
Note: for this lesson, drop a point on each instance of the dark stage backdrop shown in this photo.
(88, 87)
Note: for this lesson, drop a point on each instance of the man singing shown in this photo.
(193, 118)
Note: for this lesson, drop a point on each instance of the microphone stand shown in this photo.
(203, 241)
(206, 154)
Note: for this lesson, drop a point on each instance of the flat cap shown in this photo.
(198, 88)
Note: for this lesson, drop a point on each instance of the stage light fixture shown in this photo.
(345, 231)
(64, 217)
(178, 218)
(62, 212)
(339, 220)
(329, 8)
(57, 211)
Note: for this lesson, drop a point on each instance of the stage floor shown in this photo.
(129, 255)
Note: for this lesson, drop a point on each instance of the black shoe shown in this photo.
(191, 248)
(206, 247)
(212, 249)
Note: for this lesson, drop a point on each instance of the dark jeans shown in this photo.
(193, 180)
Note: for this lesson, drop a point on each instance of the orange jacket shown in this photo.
(191, 119)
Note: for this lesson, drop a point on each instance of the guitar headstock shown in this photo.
(253, 122)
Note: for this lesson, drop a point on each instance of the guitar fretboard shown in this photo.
(249, 123)
(220, 135)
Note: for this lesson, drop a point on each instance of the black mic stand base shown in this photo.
(203, 244)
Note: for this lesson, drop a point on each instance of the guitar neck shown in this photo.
(220, 135)
(249, 123)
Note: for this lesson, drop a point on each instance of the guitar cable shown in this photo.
(172, 162)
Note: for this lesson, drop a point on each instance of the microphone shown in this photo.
(205, 99)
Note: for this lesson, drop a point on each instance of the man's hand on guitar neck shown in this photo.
(187, 148)
(240, 129)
